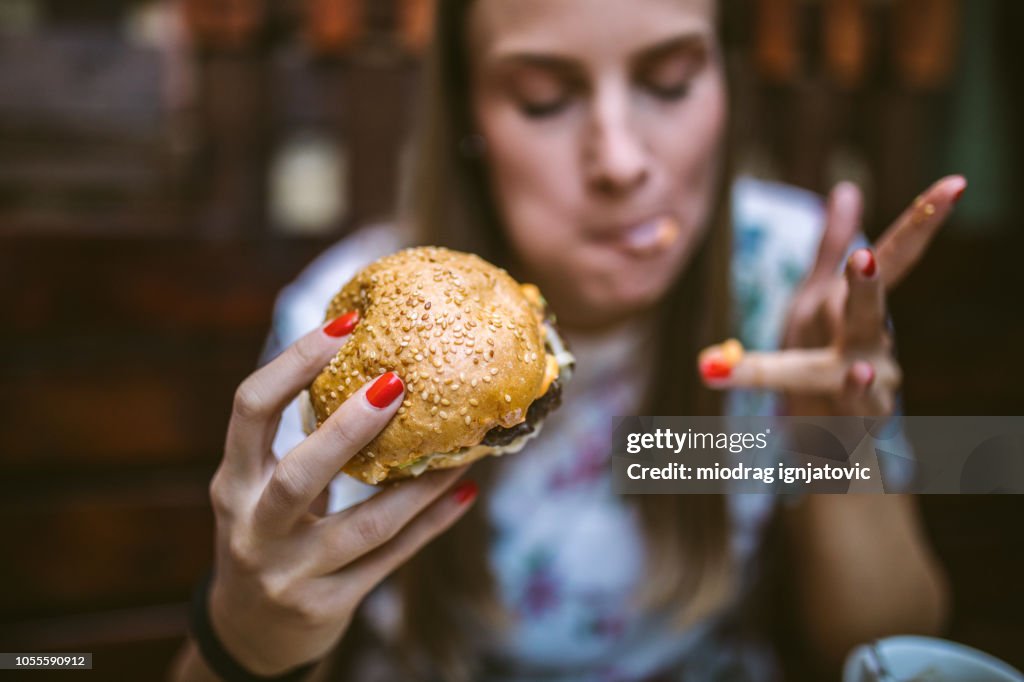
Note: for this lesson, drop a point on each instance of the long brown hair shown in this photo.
(448, 585)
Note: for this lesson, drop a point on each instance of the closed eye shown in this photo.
(670, 93)
(546, 109)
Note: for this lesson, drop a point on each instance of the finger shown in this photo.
(842, 221)
(305, 471)
(801, 370)
(863, 395)
(904, 243)
(864, 315)
(359, 530)
(262, 396)
(363, 575)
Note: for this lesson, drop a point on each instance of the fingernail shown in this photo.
(959, 195)
(715, 367)
(342, 325)
(864, 261)
(465, 491)
(384, 390)
(867, 375)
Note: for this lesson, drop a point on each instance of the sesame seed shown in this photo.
(462, 410)
(508, 398)
(474, 402)
(487, 379)
(433, 410)
(456, 387)
(423, 395)
(473, 383)
(419, 357)
(443, 414)
(494, 370)
(445, 401)
(468, 420)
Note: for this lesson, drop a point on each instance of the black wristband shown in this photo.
(214, 653)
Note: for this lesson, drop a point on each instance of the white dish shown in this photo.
(925, 659)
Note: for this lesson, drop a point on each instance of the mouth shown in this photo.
(645, 238)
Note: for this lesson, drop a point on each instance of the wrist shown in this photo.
(229, 653)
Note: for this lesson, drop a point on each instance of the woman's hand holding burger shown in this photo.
(839, 358)
(287, 580)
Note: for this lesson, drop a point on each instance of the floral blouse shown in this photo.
(566, 551)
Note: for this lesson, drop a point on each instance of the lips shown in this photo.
(646, 238)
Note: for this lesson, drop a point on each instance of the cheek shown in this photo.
(691, 148)
(533, 175)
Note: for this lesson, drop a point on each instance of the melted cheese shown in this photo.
(550, 374)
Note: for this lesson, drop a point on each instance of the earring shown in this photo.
(473, 145)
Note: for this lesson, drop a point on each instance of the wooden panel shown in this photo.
(978, 541)
(127, 644)
(167, 286)
(127, 353)
(104, 542)
(53, 422)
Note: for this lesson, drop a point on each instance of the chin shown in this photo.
(609, 304)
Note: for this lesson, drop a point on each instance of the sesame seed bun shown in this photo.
(468, 341)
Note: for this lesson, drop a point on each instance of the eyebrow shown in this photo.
(566, 64)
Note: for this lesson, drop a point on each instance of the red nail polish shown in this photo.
(868, 265)
(384, 390)
(465, 491)
(715, 368)
(959, 195)
(342, 325)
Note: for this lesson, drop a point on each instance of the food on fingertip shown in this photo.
(718, 361)
(480, 354)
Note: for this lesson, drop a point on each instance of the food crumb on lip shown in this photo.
(649, 238)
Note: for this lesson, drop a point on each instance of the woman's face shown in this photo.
(603, 121)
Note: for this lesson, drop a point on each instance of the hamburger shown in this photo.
(480, 355)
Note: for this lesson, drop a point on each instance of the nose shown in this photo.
(615, 158)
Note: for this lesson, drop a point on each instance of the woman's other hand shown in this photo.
(287, 580)
(839, 354)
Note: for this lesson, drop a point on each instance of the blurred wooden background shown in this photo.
(142, 244)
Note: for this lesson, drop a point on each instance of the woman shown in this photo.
(583, 145)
